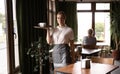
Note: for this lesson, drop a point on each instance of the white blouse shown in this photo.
(62, 35)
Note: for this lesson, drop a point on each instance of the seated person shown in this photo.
(89, 42)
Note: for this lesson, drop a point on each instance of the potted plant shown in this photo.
(39, 51)
(115, 29)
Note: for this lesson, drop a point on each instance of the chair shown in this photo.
(102, 60)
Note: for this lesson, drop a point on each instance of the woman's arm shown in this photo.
(48, 37)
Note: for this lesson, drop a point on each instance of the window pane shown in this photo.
(84, 6)
(102, 6)
(3, 40)
(84, 23)
(102, 26)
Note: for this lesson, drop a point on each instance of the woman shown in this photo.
(89, 41)
(62, 38)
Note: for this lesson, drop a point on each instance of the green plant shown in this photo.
(39, 50)
(115, 29)
(115, 24)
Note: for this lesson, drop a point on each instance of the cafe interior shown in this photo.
(28, 51)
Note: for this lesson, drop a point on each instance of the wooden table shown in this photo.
(96, 68)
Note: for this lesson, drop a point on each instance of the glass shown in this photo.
(102, 6)
(100, 20)
(84, 23)
(83, 6)
(3, 45)
(102, 26)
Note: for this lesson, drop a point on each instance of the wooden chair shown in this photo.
(102, 60)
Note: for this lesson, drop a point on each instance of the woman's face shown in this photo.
(60, 19)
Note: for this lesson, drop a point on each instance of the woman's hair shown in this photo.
(62, 13)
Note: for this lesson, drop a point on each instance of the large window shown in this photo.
(9, 55)
(95, 16)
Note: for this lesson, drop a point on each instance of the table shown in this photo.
(89, 52)
(96, 68)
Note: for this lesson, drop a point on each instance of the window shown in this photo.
(95, 16)
(51, 13)
(16, 51)
(3, 44)
(9, 55)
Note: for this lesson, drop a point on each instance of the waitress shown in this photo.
(62, 37)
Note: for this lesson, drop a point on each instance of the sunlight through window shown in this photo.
(3, 46)
(89, 17)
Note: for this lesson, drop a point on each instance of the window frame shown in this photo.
(93, 11)
(51, 11)
(10, 39)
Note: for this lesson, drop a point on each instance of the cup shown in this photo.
(86, 63)
(42, 24)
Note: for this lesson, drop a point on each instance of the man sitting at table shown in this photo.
(89, 42)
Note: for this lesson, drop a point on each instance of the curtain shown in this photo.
(71, 14)
(29, 13)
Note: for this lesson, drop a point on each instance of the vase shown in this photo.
(116, 54)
